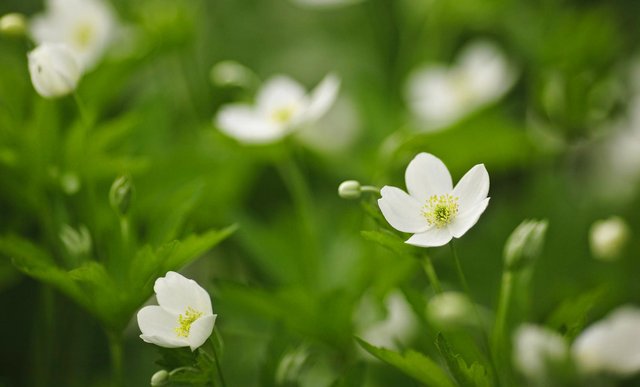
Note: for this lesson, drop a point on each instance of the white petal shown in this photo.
(431, 238)
(463, 222)
(244, 124)
(402, 211)
(487, 71)
(158, 327)
(176, 293)
(611, 345)
(200, 331)
(433, 97)
(54, 70)
(323, 97)
(472, 188)
(427, 175)
(280, 92)
(535, 348)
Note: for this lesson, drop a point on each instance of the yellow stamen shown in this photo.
(440, 210)
(185, 321)
(84, 34)
(283, 114)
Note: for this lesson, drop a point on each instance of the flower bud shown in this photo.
(160, 378)
(121, 194)
(77, 242)
(54, 70)
(13, 24)
(608, 237)
(525, 243)
(230, 73)
(451, 310)
(350, 189)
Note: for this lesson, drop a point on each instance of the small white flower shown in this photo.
(439, 95)
(608, 237)
(433, 210)
(535, 349)
(395, 324)
(183, 317)
(282, 105)
(611, 345)
(86, 26)
(54, 70)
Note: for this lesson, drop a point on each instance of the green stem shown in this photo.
(116, 352)
(217, 361)
(431, 274)
(461, 276)
(125, 232)
(370, 188)
(82, 111)
(506, 291)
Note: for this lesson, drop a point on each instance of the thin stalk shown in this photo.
(116, 352)
(504, 301)
(427, 265)
(215, 359)
(125, 232)
(82, 111)
(370, 188)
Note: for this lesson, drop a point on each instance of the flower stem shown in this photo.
(370, 188)
(506, 291)
(427, 265)
(82, 111)
(115, 349)
(461, 276)
(217, 361)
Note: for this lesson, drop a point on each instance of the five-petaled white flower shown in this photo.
(439, 95)
(282, 105)
(183, 318)
(433, 210)
(54, 70)
(86, 26)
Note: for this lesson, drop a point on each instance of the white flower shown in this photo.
(611, 345)
(535, 349)
(440, 95)
(396, 324)
(86, 26)
(54, 70)
(433, 210)
(184, 317)
(608, 237)
(282, 105)
(451, 310)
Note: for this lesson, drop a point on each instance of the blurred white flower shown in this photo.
(608, 237)
(439, 95)
(86, 26)
(77, 242)
(451, 310)
(54, 70)
(398, 325)
(611, 345)
(13, 24)
(535, 349)
(433, 210)
(282, 105)
(184, 316)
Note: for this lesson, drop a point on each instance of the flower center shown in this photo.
(283, 115)
(84, 34)
(185, 320)
(440, 210)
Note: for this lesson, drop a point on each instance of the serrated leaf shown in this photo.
(390, 241)
(412, 363)
(467, 376)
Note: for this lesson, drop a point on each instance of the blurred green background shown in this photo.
(284, 289)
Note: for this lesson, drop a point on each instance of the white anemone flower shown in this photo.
(183, 316)
(86, 26)
(535, 349)
(282, 106)
(439, 95)
(54, 70)
(433, 210)
(611, 345)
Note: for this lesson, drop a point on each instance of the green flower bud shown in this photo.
(608, 237)
(121, 194)
(231, 73)
(350, 189)
(525, 243)
(160, 378)
(13, 24)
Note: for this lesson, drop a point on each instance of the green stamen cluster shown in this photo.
(185, 321)
(440, 210)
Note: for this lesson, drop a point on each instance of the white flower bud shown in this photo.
(120, 194)
(160, 378)
(608, 237)
(525, 243)
(13, 24)
(451, 310)
(349, 189)
(231, 73)
(54, 70)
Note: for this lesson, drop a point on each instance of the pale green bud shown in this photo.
(451, 310)
(231, 73)
(77, 242)
(608, 237)
(160, 378)
(121, 194)
(525, 243)
(350, 189)
(13, 24)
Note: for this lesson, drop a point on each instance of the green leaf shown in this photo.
(412, 363)
(389, 240)
(467, 376)
(572, 315)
